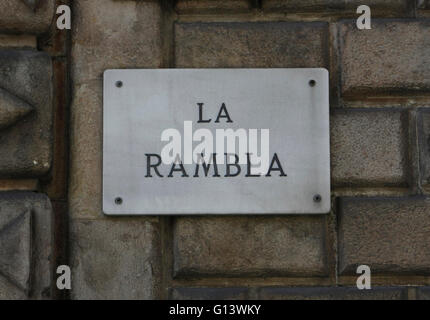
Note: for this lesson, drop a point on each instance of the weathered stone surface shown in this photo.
(15, 250)
(114, 259)
(85, 192)
(333, 293)
(390, 235)
(114, 34)
(212, 6)
(25, 245)
(25, 144)
(388, 6)
(423, 293)
(369, 148)
(209, 294)
(26, 16)
(392, 57)
(12, 109)
(251, 44)
(424, 147)
(238, 246)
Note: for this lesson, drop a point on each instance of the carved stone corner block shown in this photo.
(26, 16)
(26, 96)
(25, 246)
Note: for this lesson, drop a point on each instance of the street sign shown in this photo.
(216, 141)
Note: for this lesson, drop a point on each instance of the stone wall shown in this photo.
(33, 149)
(380, 158)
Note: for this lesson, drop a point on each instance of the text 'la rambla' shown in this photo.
(227, 161)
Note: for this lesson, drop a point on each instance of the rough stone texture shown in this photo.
(369, 148)
(388, 234)
(238, 246)
(212, 6)
(26, 16)
(423, 293)
(424, 147)
(252, 45)
(12, 109)
(25, 245)
(85, 192)
(339, 293)
(15, 252)
(392, 57)
(26, 146)
(114, 34)
(388, 7)
(114, 259)
(209, 294)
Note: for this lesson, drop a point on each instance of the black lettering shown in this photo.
(206, 167)
(201, 114)
(279, 168)
(174, 169)
(228, 165)
(249, 166)
(222, 110)
(149, 165)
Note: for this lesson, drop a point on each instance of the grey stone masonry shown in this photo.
(390, 235)
(360, 139)
(391, 58)
(273, 45)
(26, 16)
(26, 246)
(240, 246)
(115, 259)
(25, 114)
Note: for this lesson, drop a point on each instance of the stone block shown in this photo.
(112, 35)
(391, 58)
(26, 16)
(85, 190)
(390, 235)
(25, 114)
(250, 246)
(26, 246)
(115, 259)
(369, 148)
(251, 45)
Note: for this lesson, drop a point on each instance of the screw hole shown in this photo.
(312, 83)
(118, 201)
(119, 84)
(317, 198)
